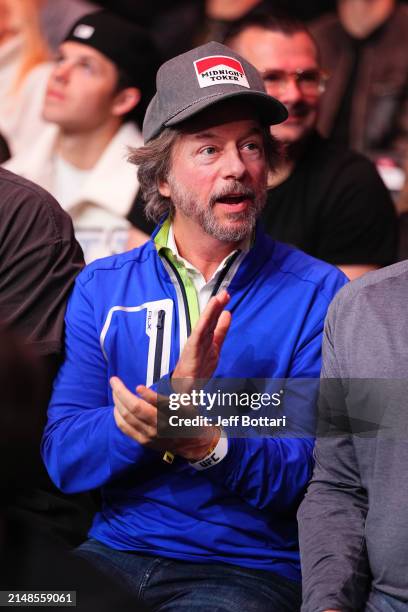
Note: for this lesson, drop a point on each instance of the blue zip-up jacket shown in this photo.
(241, 511)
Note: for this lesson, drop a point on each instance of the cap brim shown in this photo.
(270, 110)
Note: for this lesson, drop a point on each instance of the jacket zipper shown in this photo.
(183, 293)
(161, 314)
(224, 273)
(158, 353)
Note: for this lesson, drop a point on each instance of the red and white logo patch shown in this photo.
(218, 69)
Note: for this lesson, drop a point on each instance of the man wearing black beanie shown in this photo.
(102, 77)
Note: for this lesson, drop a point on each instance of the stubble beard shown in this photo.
(235, 226)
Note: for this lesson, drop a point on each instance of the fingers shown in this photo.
(199, 357)
(137, 412)
(209, 318)
(124, 426)
(222, 328)
(215, 307)
(142, 433)
(214, 323)
(129, 399)
(147, 394)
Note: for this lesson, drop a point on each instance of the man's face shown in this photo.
(278, 57)
(81, 89)
(361, 17)
(218, 173)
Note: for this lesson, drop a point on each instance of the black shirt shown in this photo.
(39, 260)
(335, 207)
(137, 216)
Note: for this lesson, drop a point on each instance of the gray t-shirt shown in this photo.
(353, 522)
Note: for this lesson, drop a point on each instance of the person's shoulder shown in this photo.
(323, 150)
(292, 260)
(20, 195)
(297, 264)
(119, 264)
(335, 166)
(388, 281)
(30, 216)
(14, 182)
(128, 135)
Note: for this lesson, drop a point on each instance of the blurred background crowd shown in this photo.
(62, 132)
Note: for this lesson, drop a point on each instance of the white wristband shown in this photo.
(214, 457)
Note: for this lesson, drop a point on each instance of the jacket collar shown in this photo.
(115, 195)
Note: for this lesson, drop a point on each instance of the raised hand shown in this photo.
(200, 356)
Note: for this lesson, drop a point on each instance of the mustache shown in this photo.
(300, 109)
(233, 187)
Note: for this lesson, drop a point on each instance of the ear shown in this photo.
(164, 189)
(125, 100)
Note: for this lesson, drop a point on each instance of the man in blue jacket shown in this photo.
(207, 520)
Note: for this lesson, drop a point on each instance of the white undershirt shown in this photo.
(68, 181)
(203, 288)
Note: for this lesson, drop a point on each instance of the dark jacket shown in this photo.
(379, 107)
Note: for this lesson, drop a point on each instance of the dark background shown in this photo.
(146, 12)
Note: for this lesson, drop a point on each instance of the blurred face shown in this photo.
(218, 177)
(81, 89)
(289, 66)
(8, 24)
(361, 17)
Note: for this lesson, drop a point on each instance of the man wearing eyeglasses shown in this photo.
(328, 201)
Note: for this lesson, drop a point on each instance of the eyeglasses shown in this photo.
(310, 82)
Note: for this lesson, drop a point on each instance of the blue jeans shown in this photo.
(379, 602)
(169, 585)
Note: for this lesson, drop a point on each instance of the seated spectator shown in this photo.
(30, 557)
(205, 522)
(365, 48)
(101, 76)
(24, 70)
(353, 526)
(39, 260)
(326, 200)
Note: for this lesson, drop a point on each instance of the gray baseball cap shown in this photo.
(206, 75)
